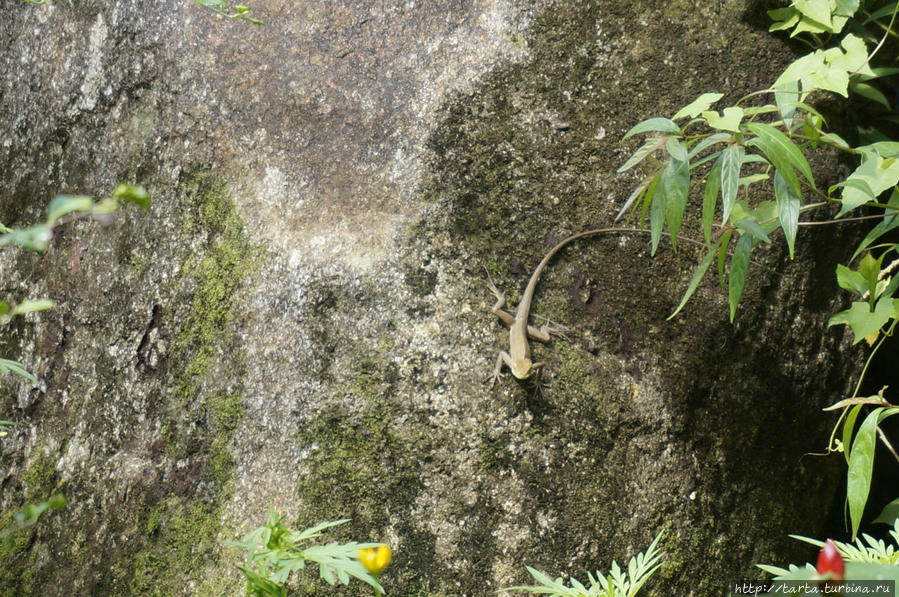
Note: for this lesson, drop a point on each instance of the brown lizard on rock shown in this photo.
(518, 359)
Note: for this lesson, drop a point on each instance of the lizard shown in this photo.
(518, 359)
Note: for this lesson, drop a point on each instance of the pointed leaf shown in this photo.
(851, 280)
(645, 150)
(709, 199)
(698, 275)
(675, 186)
(729, 120)
(697, 106)
(788, 210)
(739, 265)
(861, 465)
(662, 125)
(863, 320)
(731, 160)
(782, 152)
(65, 204)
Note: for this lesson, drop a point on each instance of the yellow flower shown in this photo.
(375, 559)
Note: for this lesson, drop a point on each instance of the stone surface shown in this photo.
(301, 319)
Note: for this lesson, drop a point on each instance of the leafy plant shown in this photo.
(275, 552)
(29, 515)
(239, 11)
(763, 146)
(617, 583)
(868, 559)
(62, 209)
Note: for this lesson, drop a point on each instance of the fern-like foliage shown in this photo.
(617, 583)
(274, 553)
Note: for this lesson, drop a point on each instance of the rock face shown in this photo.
(301, 320)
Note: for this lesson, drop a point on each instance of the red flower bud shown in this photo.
(830, 562)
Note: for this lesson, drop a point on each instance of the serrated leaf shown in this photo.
(697, 106)
(662, 125)
(66, 204)
(731, 161)
(788, 204)
(739, 265)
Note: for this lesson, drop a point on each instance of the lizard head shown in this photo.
(524, 368)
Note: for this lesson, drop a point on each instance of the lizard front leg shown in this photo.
(502, 358)
(542, 333)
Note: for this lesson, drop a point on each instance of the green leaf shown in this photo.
(848, 428)
(782, 153)
(729, 120)
(861, 465)
(709, 199)
(675, 186)
(31, 305)
(639, 191)
(873, 176)
(788, 204)
(722, 255)
(870, 92)
(869, 268)
(889, 222)
(786, 97)
(35, 238)
(65, 204)
(698, 275)
(133, 194)
(676, 149)
(645, 150)
(659, 124)
(708, 142)
(816, 10)
(863, 320)
(658, 210)
(731, 160)
(752, 229)
(8, 366)
(746, 181)
(851, 280)
(889, 514)
(784, 18)
(697, 106)
(739, 265)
